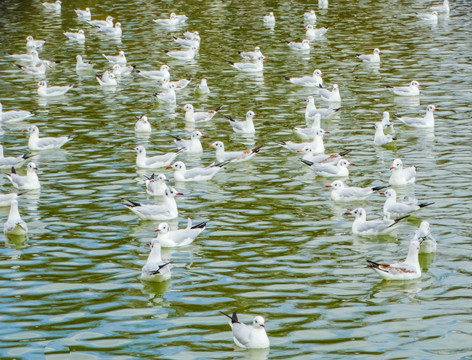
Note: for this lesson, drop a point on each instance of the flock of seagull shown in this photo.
(326, 165)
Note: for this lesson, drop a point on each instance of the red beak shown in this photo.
(347, 213)
(158, 230)
(329, 186)
(392, 167)
(169, 167)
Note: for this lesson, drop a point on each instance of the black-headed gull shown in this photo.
(407, 270)
(330, 96)
(330, 170)
(364, 227)
(256, 66)
(28, 182)
(122, 70)
(84, 14)
(32, 43)
(107, 79)
(171, 21)
(178, 238)
(81, 65)
(233, 156)
(188, 43)
(411, 90)
(5, 199)
(165, 211)
(249, 337)
(372, 58)
(45, 91)
(392, 208)
(155, 269)
(32, 57)
(312, 33)
(14, 115)
(380, 138)
(46, 143)
(168, 96)
(443, 8)
(311, 110)
(38, 70)
(191, 34)
(78, 36)
(179, 84)
(316, 145)
(153, 162)
(203, 88)
(429, 17)
(343, 193)
(15, 224)
(252, 55)
(303, 46)
(309, 81)
(269, 19)
(199, 116)
(191, 146)
(429, 244)
(196, 174)
(316, 158)
(425, 122)
(55, 6)
(159, 75)
(310, 17)
(401, 175)
(156, 185)
(244, 127)
(309, 132)
(8, 162)
(102, 23)
(119, 59)
(142, 125)
(111, 31)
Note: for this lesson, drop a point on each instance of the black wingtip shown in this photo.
(378, 188)
(201, 225)
(306, 162)
(425, 204)
(219, 107)
(286, 78)
(372, 264)
(345, 152)
(257, 149)
(176, 137)
(231, 62)
(13, 171)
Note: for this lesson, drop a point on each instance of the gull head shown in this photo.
(258, 322)
(163, 228)
(337, 185)
(397, 164)
(218, 145)
(196, 134)
(178, 165)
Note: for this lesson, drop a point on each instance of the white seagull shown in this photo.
(107, 79)
(156, 185)
(165, 211)
(78, 36)
(411, 90)
(401, 175)
(317, 145)
(303, 46)
(392, 208)
(122, 70)
(153, 162)
(249, 337)
(311, 110)
(191, 146)
(45, 91)
(111, 31)
(310, 17)
(8, 162)
(312, 33)
(168, 95)
(159, 75)
(269, 20)
(203, 88)
(84, 14)
(425, 122)
(178, 238)
(252, 55)
(188, 43)
(429, 244)
(55, 6)
(14, 115)
(372, 58)
(155, 269)
(430, 17)
(199, 116)
(81, 65)
(331, 96)
(119, 59)
(15, 224)
(364, 227)
(102, 23)
(32, 43)
(311, 156)
(380, 138)
(142, 125)
(309, 132)
(244, 127)
(233, 156)
(443, 8)
(5, 199)
(28, 182)
(195, 174)
(329, 170)
(171, 21)
(46, 143)
(256, 66)
(343, 193)
(309, 81)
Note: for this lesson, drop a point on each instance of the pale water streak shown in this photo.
(275, 244)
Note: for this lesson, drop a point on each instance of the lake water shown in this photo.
(275, 245)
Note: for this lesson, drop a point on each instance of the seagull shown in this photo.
(362, 227)
(168, 96)
(321, 159)
(372, 58)
(380, 138)
(249, 337)
(26, 58)
(244, 127)
(203, 88)
(195, 174)
(172, 21)
(8, 162)
(329, 170)
(200, 116)
(309, 81)
(252, 55)
(165, 211)
(81, 65)
(45, 91)
(111, 31)
(182, 18)
(331, 96)
(309, 133)
(401, 175)
(303, 46)
(106, 79)
(153, 162)
(32, 43)
(432, 17)
(425, 122)
(269, 20)
(37, 70)
(429, 244)
(78, 36)
(444, 8)
(142, 125)
(122, 70)
(119, 59)
(84, 14)
(45, 143)
(15, 224)
(411, 90)
(323, 4)
(156, 185)
(408, 270)
(102, 23)
(233, 156)
(343, 193)
(310, 17)
(178, 238)
(155, 269)
(392, 208)
(179, 84)
(311, 110)
(188, 43)
(191, 35)
(56, 6)
(14, 115)
(316, 145)
(386, 121)
(312, 33)
(5, 199)
(191, 146)
(159, 75)
(256, 66)
(28, 182)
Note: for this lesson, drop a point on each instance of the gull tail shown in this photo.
(396, 221)
(157, 271)
(306, 162)
(378, 188)
(425, 204)
(201, 225)
(233, 318)
(345, 152)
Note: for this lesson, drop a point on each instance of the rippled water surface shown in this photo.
(275, 245)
